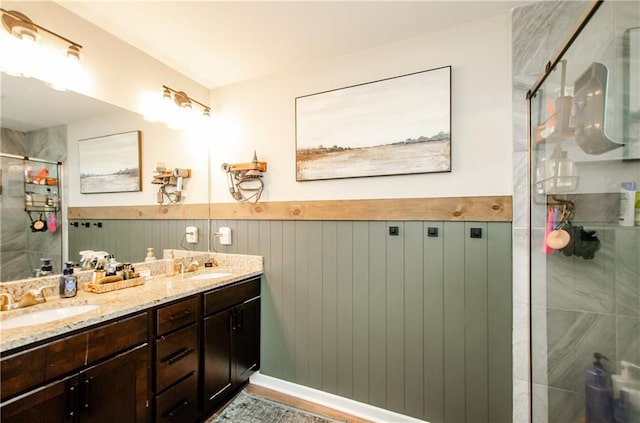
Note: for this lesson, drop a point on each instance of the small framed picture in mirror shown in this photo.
(110, 163)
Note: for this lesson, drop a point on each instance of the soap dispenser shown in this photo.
(68, 283)
(599, 395)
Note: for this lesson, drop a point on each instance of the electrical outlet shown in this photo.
(225, 235)
(192, 234)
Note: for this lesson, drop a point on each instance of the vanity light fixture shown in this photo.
(177, 109)
(25, 52)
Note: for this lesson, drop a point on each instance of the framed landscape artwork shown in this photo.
(394, 126)
(110, 163)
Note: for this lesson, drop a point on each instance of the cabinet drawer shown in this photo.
(22, 371)
(118, 336)
(229, 296)
(33, 367)
(41, 364)
(177, 315)
(176, 356)
(178, 404)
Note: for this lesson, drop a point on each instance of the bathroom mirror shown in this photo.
(30, 110)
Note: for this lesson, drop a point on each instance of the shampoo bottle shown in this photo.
(599, 395)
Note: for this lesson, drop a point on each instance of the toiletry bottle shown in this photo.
(627, 203)
(621, 408)
(39, 178)
(151, 256)
(99, 273)
(567, 175)
(68, 283)
(599, 395)
(49, 201)
(111, 266)
(28, 175)
(170, 266)
(637, 208)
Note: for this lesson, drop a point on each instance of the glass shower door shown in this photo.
(585, 240)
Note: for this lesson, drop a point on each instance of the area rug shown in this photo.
(249, 408)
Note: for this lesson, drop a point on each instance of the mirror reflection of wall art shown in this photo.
(393, 126)
(110, 163)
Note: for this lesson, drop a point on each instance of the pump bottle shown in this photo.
(68, 283)
(599, 395)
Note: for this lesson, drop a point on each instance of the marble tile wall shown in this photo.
(13, 142)
(578, 306)
(21, 249)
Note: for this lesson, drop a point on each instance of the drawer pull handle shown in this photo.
(177, 356)
(177, 409)
(180, 316)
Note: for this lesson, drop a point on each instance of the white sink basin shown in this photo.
(45, 316)
(204, 276)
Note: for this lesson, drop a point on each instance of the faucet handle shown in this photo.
(41, 291)
(9, 301)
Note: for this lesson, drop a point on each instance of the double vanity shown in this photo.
(170, 350)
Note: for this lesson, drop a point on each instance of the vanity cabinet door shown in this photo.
(53, 403)
(231, 340)
(245, 340)
(216, 359)
(116, 390)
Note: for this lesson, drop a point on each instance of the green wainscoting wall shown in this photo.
(128, 239)
(415, 324)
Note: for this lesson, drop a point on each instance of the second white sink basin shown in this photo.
(204, 276)
(45, 316)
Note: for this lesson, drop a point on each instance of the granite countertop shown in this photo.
(158, 290)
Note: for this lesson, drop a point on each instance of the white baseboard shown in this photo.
(345, 405)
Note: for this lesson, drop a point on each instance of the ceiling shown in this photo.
(218, 43)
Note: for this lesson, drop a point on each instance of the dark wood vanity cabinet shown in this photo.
(231, 340)
(172, 363)
(81, 378)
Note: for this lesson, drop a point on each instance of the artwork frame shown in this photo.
(111, 163)
(393, 126)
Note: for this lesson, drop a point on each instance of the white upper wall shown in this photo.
(260, 115)
(176, 149)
